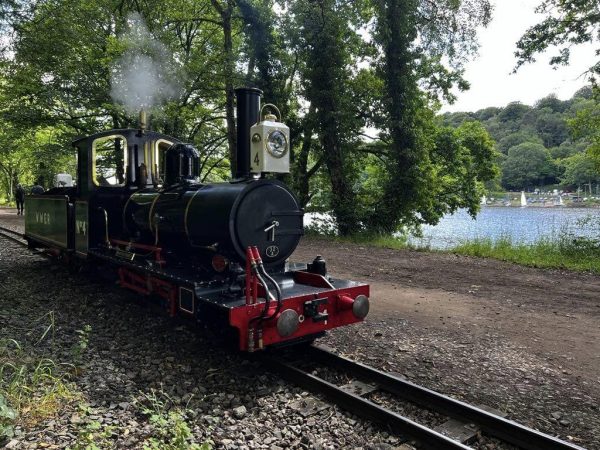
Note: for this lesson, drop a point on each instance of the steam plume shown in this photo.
(144, 75)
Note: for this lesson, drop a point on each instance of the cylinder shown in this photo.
(248, 110)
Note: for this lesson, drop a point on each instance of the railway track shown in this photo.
(13, 235)
(347, 397)
(472, 417)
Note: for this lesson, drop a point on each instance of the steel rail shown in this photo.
(491, 424)
(7, 232)
(363, 407)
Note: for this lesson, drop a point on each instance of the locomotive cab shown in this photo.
(112, 166)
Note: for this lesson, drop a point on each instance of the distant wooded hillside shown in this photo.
(540, 144)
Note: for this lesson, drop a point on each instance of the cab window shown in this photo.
(158, 169)
(109, 161)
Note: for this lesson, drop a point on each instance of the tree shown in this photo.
(551, 127)
(586, 125)
(66, 53)
(568, 148)
(225, 9)
(580, 169)
(553, 103)
(527, 165)
(414, 38)
(325, 43)
(517, 138)
(566, 23)
(464, 160)
(585, 92)
(513, 112)
(487, 113)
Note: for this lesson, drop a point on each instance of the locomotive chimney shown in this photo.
(248, 110)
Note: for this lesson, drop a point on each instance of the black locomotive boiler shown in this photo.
(215, 252)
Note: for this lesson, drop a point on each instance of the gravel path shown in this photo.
(441, 330)
(521, 340)
(135, 355)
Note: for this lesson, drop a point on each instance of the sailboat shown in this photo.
(483, 200)
(523, 199)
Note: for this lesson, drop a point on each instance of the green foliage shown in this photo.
(95, 436)
(527, 165)
(568, 148)
(586, 124)
(170, 430)
(33, 387)
(551, 127)
(579, 169)
(80, 347)
(423, 171)
(463, 159)
(566, 23)
(552, 103)
(65, 55)
(324, 35)
(7, 419)
(513, 113)
(335, 68)
(563, 128)
(517, 138)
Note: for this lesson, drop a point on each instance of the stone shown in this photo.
(240, 412)
(75, 419)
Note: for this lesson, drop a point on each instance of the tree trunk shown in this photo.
(343, 200)
(407, 174)
(328, 79)
(11, 187)
(300, 161)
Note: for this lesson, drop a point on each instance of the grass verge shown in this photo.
(372, 240)
(378, 240)
(564, 252)
(32, 388)
(35, 388)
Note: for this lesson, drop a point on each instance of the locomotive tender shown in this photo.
(214, 252)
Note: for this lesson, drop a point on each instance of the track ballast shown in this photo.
(488, 423)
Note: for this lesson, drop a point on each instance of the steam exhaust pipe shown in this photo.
(247, 110)
(142, 121)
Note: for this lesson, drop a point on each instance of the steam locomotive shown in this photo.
(213, 252)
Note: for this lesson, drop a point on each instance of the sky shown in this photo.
(492, 83)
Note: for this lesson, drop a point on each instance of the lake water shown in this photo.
(520, 224)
